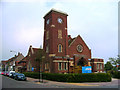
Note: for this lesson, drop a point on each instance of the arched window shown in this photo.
(59, 48)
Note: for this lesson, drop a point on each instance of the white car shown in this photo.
(10, 73)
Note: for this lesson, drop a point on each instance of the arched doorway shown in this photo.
(82, 62)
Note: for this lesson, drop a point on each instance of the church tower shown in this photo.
(55, 33)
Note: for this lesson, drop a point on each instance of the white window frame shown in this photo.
(101, 66)
(59, 67)
(66, 66)
(98, 66)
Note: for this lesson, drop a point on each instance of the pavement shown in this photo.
(114, 82)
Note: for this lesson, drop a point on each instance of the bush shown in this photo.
(116, 75)
(82, 77)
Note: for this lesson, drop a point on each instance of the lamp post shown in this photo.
(68, 59)
(74, 62)
(40, 70)
(13, 66)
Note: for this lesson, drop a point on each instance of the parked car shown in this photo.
(6, 73)
(2, 73)
(13, 75)
(10, 73)
(20, 76)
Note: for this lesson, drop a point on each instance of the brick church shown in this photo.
(65, 53)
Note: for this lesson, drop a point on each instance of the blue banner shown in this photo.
(32, 68)
(87, 69)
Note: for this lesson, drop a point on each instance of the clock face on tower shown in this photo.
(59, 20)
(48, 21)
(79, 48)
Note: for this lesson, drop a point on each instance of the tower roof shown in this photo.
(57, 11)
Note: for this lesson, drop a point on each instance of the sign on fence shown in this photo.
(32, 68)
(87, 69)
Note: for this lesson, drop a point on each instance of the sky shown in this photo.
(22, 25)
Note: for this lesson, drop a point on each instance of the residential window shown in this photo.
(65, 66)
(59, 48)
(59, 66)
(100, 66)
(60, 34)
(47, 49)
(47, 35)
(97, 65)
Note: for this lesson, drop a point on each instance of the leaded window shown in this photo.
(59, 48)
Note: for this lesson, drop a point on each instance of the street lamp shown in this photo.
(13, 66)
(40, 70)
(74, 62)
(68, 59)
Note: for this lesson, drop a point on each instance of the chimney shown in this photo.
(18, 53)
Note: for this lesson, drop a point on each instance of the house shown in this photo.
(30, 62)
(10, 64)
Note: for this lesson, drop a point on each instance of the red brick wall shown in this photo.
(73, 49)
(53, 40)
(94, 65)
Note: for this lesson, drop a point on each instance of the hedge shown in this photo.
(82, 77)
(116, 74)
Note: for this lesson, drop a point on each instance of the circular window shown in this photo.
(79, 48)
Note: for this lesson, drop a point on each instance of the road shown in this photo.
(11, 83)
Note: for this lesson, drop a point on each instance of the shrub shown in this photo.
(116, 75)
(82, 77)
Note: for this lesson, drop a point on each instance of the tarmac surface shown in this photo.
(34, 83)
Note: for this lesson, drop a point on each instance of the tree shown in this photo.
(115, 62)
(118, 62)
(108, 66)
(119, 59)
(40, 56)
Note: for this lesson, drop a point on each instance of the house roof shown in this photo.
(70, 41)
(74, 39)
(11, 59)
